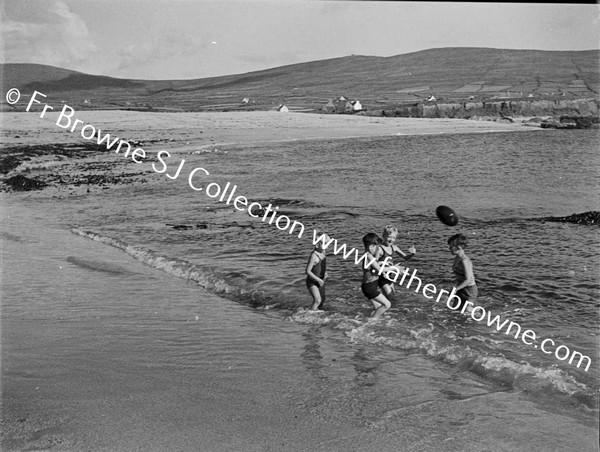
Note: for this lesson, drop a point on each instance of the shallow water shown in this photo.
(102, 353)
(541, 275)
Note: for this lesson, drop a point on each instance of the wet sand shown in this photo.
(47, 142)
(224, 128)
(72, 381)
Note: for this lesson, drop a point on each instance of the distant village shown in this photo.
(417, 106)
(342, 105)
(567, 110)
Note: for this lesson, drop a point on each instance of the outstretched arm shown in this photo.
(411, 252)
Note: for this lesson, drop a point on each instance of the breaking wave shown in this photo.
(471, 351)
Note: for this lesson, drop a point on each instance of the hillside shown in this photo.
(449, 74)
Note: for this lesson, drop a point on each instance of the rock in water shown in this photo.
(587, 218)
(22, 183)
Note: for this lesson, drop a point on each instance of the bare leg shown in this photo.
(468, 307)
(316, 294)
(388, 291)
(381, 304)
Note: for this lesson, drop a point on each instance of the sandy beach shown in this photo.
(236, 127)
(104, 369)
(66, 388)
(24, 135)
(176, 178)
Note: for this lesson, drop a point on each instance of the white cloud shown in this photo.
(45, 32)
(163, 48)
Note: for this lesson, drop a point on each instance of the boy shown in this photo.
(463, 271)
(370, 283)
(316, 273)
(390, 233)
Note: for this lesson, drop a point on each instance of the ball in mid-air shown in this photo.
(446, 215)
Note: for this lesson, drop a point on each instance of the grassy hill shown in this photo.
(449, 74)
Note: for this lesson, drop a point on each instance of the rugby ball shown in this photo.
(446, 215)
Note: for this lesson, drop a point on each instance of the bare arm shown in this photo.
(411, 252)
(469, 276)
(375, 265)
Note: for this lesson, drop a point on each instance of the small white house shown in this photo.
(283, 109)
(431, 99)
(356, 105)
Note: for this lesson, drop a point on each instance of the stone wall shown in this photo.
(520, 108)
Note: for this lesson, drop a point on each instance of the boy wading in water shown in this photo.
(370, 283)
(316, 273)
(388, 249)
(463, 271)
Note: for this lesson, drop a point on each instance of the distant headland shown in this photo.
(551, 88)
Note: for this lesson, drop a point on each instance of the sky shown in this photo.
(187, 39)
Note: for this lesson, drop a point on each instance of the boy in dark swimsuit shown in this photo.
(462, 267)
(370, 283)
(316, 273)
(390, 233)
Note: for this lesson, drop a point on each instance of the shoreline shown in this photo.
(31, 143)
(220, 128)
(77, 378)
(66, 388)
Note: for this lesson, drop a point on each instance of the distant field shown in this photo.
(450, 75)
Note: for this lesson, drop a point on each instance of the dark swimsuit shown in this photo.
(318, 269)
(468, 293)
(370, 289)
(370, 285)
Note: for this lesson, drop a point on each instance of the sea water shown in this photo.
(542, 275)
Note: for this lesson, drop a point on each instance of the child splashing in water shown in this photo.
(370, 283)
(316, 273)
(462, 267)
(388, 249)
